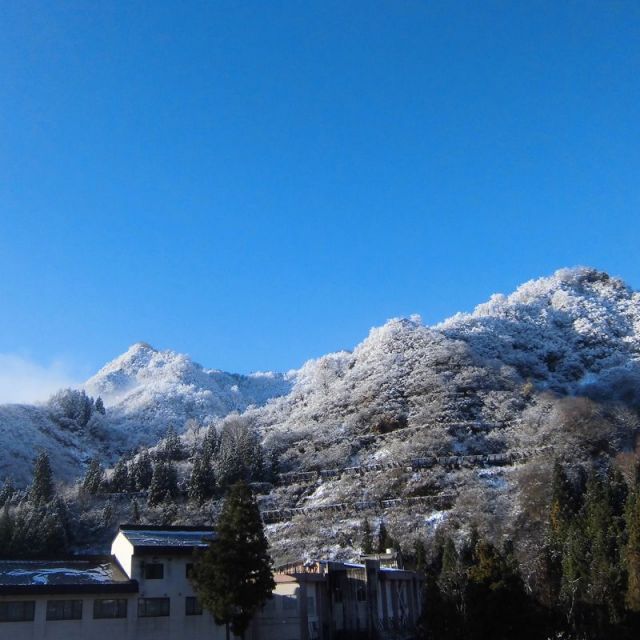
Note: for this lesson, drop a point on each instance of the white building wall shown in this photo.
(122, 549)
(85, 629)
(175, 627)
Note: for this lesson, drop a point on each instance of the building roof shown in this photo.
(148, 539)
(89, 574)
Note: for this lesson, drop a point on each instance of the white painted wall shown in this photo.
(122, 549)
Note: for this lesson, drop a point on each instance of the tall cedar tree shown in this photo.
(420, 555)
(632, 550)
(42, 487)
(120, 481)
(8, 491)
(142, 472)
(562, 505)
(367, 537)
(202, 482)
(385, 541)
(164, 483)
(233, 576)
(172, 449)
(94, 478)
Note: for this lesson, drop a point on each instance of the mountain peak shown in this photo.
(141, 346)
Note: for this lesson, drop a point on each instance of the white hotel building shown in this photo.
(143, 592)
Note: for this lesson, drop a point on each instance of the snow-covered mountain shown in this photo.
(556, 364)
(576, 332)
(145, 390)
(486, 381)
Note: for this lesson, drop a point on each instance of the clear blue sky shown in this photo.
(258, 183)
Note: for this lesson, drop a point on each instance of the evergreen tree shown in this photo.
(39, 530)
(172, 447)
(452, 578)
(135, 511)
(495, 597)
(6, 531)
(211, 443)
(163, 482)
(603, 507)
(94, 478)
(71, 408)
(233, 576)
(575, 573)
(8, 491)
(107, 514)
(438, 620)
(202, 480)
(632, 551)
(420, 555)
(240, 455)
(120, 479)
(99, 406)
(562, 505)
(42, 487)
(367, 537)
(169, 510)
(53, 531)
(446, 583)
(142, 471)
(272, 466)
(385, 541)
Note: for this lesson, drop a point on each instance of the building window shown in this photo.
(64, 609)
(110, 608)
(153, 607)
(17, 611)
(153, 571)
(192, 606)
(189, 570)
(289, 603)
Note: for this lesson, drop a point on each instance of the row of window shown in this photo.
(24, 610)
(155, 570)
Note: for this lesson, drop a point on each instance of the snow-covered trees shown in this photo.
(7, 492)
(172, 448)
(120, 480)
(367, 537)
(202, 483)
(71, 407)
(94, 478)
(38, 525)
(164, 482)
(240, 456)
(42, 486)
(99, 406)
(142, 471)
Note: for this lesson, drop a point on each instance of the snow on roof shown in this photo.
(60, 572)
(170, 537)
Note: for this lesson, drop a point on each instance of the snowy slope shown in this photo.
(25, 430)
(556, 364)
(557, 330)
(470, 384)
(145, 390)
(577, 331)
